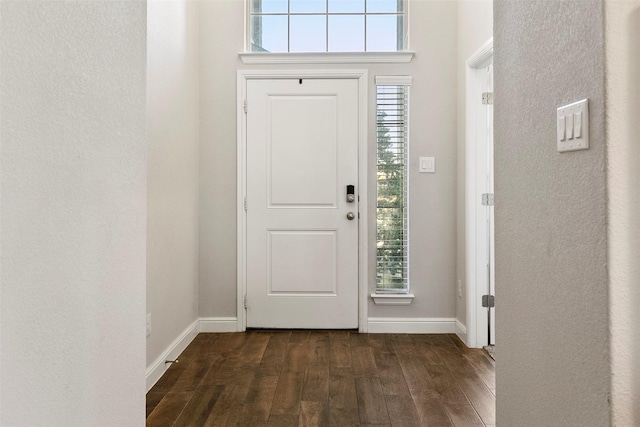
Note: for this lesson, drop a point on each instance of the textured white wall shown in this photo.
(433, 133)
(475, 27)
(73, 210)
(173, 148)
(551, 232)
(623, 157)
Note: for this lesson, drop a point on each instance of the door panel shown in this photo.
(302, 262)
(302, 154)
(302, 251)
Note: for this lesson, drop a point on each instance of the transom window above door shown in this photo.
(326, 26)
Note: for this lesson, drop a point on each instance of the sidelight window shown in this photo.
(392, 213)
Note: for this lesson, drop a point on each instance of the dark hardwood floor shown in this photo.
(325, 378)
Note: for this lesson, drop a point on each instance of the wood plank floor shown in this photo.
(325, 378)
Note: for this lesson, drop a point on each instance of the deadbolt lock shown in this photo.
(351, 193)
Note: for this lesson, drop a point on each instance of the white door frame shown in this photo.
(475, 185)
(363, 80)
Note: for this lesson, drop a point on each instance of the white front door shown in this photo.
(301, 248)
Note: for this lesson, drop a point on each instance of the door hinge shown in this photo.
(245, 105)
(488, 301)
(245, 301)
(487, 199)
(487, 98)
(245, 204)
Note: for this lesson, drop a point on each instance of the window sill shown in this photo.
(392, 299)
(326, 57)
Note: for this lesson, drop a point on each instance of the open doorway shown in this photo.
(479, 200)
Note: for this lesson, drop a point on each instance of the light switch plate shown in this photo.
(427, 165)
(573, 126)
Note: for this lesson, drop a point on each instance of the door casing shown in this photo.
(363, 78)
(475, 172)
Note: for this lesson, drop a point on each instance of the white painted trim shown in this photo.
(158, 367)
(394, 80)
(363, 206)
(203, 324)
(412, 325)
(476, 326)
(219, 324)
(461, 331)
(363, 85)
(482, 57)
(326, 57)
(241, 224)
(392, 299)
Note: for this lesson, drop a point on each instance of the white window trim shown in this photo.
(402, 57)
(393, 298)
(372, 57)
(394, 80)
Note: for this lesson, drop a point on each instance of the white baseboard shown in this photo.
(411, 325)
(461, 332)
(158, 367)
(219, 324)
(203, 324)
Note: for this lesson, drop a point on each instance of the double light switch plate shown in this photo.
(427, 165)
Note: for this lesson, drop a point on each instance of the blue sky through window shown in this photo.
(346, 33)
(346, 6)
(326, 25)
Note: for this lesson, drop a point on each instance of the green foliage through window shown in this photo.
(392, 189)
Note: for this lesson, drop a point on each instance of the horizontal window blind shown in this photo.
(392, 213)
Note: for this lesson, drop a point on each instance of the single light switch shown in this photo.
(561, 128)
(573, 126)
(577, 125)
(427, 165)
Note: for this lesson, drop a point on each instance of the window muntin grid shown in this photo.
(326, 26)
